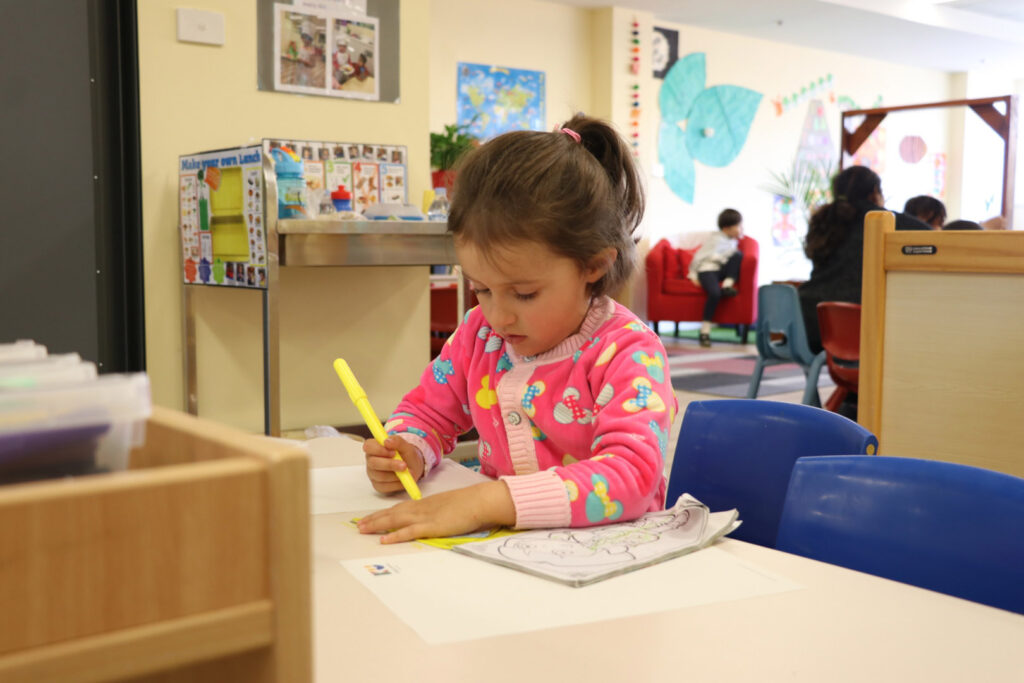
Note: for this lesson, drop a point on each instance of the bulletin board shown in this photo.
(222, 209)
(371, 73)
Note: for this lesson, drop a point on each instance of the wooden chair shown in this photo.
(192, 566)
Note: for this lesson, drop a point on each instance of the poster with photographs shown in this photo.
(361, 172)
(392, 184)
(323, 52)
(220, 210)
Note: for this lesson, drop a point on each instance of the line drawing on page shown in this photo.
(597, 547)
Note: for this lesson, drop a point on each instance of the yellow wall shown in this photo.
(585, 54)
(198, 97)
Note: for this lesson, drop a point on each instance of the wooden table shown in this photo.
(841, 626)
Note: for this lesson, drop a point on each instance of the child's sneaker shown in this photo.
(705, 339)
(729, 291)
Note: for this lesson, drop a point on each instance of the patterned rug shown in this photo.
(721, 372)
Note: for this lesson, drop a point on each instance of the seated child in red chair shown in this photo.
(716, 266)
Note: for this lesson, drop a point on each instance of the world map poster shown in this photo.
(493, 100)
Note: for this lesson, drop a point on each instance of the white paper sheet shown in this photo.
(346, 489)
(432, 592)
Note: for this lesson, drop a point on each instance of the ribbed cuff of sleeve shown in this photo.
(540, 499)
(430, 458)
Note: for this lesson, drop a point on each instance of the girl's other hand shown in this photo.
(451, 513)
(381, 464)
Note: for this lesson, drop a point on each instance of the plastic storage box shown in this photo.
(23, 349)
(62, 369)
(52, 430)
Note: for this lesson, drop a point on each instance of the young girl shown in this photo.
(568, 390)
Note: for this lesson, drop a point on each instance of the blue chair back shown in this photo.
(736, 453)
(778, 311)
(950, 528)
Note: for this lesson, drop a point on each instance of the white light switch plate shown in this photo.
(200, 26)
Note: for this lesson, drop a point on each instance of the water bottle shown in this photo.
(438, 210)
(342, 199)
(291, 183)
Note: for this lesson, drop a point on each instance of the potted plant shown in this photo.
(807, 186)
(446, 149)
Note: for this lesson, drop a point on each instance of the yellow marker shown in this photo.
(358, 396)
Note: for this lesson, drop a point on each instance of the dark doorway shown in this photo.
(70, 222)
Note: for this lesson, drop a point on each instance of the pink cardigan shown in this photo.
(578, 433)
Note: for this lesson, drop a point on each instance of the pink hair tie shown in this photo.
(571, 133)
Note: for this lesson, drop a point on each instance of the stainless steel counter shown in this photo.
(321, 242)
(316, 242)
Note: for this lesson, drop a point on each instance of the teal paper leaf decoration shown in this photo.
(683, 83)
(709, 125)
(680, 171)
(719, 123)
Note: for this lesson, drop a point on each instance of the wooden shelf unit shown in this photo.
(194, 565)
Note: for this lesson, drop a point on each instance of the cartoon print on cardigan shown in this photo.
(605, 395)
(486, 397)
(655, 365)
(504, 363)
(661, 434)
(532, 457)
(531, 392)
(535, 431)
(569, 410)
(441, 369)
(607, 354)
(599, 502)
(645, 397)
(579, 352)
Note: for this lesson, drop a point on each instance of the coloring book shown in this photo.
(578, 557)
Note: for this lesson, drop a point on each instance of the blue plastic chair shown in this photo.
(778, 312)
(950, 528)
(734, 453)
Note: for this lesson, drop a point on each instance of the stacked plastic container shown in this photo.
(58, 418)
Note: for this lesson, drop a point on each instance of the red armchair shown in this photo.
(671, 295)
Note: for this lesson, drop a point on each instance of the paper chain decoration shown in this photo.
(634, 104)
(708, 125)
(812, 89)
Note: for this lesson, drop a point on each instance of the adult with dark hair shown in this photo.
(962, 225)
(835, 243)
(927, 209)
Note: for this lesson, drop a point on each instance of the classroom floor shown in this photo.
(467, 449)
